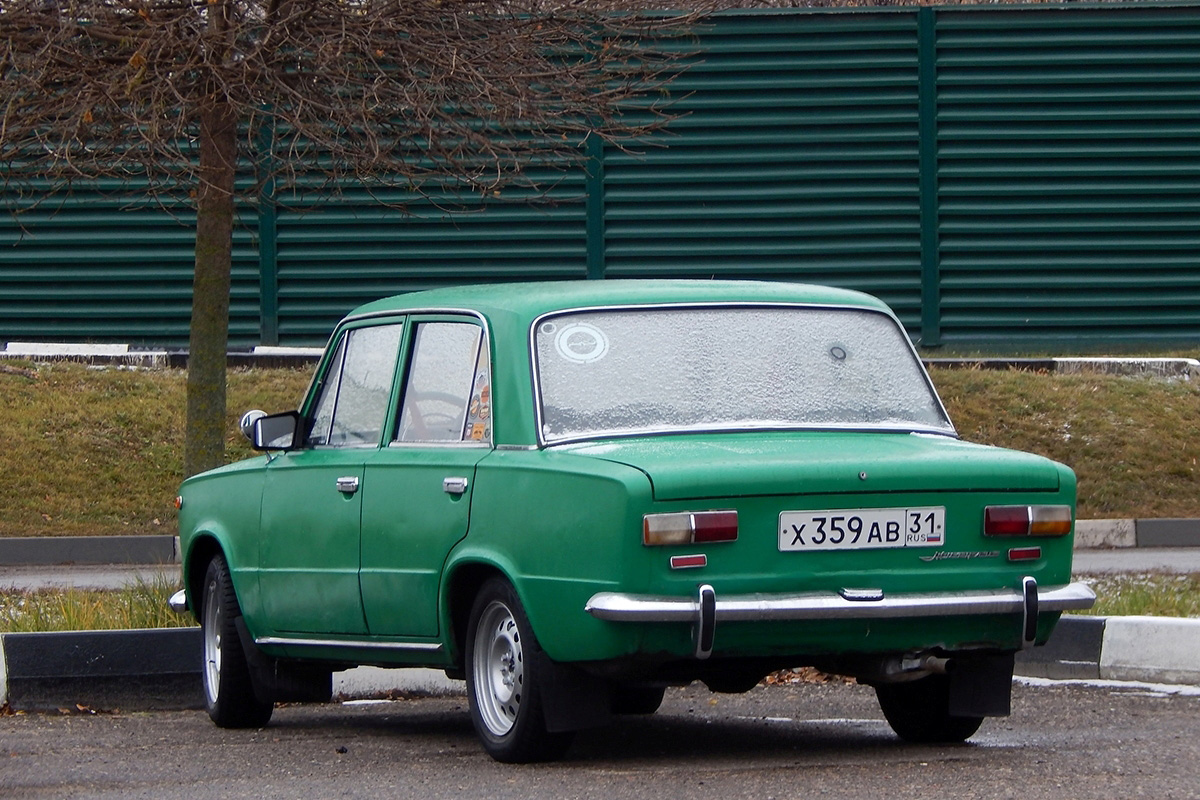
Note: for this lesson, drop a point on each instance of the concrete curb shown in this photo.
(160, 669)
(122, 355)
(1114, 533)
(16, 551)
(1186, 369)
(1154, 649)
(151, 670)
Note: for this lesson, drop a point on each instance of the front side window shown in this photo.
(448, 394)
(353, 403)
(622, 372)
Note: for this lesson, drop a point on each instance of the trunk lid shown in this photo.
(693, 467)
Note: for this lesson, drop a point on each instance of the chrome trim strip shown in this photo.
(412, 647)
(178, 602)
(887, 312)
(618, 607)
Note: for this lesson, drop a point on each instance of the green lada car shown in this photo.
(576, 494)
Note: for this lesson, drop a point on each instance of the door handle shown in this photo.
(454, 485)
(347, 485)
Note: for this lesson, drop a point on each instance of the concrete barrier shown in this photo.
(152, 669)
(1156, 649)
(158, 669)
(69, 550)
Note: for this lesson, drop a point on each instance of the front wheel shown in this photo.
(228, 691)
(919, 711)
(503, 680)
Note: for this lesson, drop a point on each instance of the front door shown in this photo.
(312, 497)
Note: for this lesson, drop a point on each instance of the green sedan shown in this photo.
(576, 494)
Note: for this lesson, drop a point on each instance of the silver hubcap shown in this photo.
(498, 668)
(212, 643)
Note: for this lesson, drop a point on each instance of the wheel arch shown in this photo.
(464, 580)
(202, 548)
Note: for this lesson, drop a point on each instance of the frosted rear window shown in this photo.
(664, 369)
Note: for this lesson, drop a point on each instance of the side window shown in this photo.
(323, 414)
(354, 400)
(448, 395)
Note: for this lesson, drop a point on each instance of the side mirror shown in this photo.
(276, 431)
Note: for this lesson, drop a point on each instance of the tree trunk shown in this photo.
(204, 445)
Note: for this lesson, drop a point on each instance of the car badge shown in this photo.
(943, 555)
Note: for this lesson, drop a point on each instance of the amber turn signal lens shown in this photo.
(1027, 520)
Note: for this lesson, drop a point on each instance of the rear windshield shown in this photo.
(631, 371)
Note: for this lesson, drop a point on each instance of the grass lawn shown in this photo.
(99, 451)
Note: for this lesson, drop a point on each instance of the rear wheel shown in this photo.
(919, 711)
(504, 680)
(228, 691)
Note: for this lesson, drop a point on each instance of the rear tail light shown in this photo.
(689, 528)
(1027, 520)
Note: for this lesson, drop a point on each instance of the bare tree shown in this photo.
(430, 95)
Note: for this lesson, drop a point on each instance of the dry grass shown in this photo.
(98, 451)
(1150, 595)
(1133, 442)
(142, 605)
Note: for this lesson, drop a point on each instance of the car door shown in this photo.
(312, 498)
(418, 488)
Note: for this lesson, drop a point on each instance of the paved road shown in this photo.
(85, 576)
(804, 740)
(1138, 560)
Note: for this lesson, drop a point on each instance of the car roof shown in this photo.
(533, 299)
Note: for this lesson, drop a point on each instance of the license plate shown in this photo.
(862, 529)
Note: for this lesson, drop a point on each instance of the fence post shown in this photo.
(927, 132)
(594, 164)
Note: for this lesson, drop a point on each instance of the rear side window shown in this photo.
(353, 402)
(448, 396)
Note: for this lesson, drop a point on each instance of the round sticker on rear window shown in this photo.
(581, 343)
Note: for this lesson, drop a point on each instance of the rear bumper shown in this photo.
(706, 609)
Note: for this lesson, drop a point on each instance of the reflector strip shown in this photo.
(1025, 554)
(689, 562)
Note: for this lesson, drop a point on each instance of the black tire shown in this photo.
(919, 711)
(637, 699)
(228, 691)
(503, 662)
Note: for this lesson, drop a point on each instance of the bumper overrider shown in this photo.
(706, 610)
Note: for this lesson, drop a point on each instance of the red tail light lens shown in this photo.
(689, 528)
(1006, 520)
(1027, 520)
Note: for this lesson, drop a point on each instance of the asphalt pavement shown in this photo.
(783, 741)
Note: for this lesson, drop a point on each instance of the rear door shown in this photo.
(417, 497)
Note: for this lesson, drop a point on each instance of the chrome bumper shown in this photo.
(178, 602)
(705, 610)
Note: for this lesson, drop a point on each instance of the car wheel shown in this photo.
(919, 711)
(228, 691)
(637, 699)
(503, 680)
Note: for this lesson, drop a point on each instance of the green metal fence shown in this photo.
(1016, 176)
